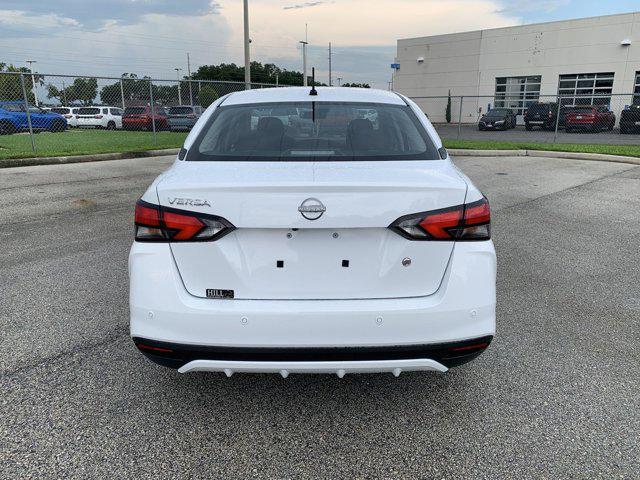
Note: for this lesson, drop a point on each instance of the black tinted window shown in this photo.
(313, 132)
(88, 111)
(180, 110)
(134, 110)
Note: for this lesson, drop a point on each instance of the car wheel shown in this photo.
(57, 126)
(7, 128)
(111, 125)
(623, 130)
(528, 127)
(481, 128)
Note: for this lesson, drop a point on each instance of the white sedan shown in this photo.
(265, 248)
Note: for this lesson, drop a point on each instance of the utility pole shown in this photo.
(330, 82)
(178, 77)
(305, 81)
(304, 62)
(33, 81)
(189, 76)
(247, 52)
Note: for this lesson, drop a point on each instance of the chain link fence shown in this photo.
(604, 119)
(42, 113)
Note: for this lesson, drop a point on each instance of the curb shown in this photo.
(100, 157)
(456, 152)
(599, 157)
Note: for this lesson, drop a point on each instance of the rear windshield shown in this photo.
(134, 110)
(581, 109)
(539, 107)
(88, 111)
(313, 131)
(180, 110)
(498, 113)
(61, 111)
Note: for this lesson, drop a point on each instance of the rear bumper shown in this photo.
(188, 358)
(166, 316)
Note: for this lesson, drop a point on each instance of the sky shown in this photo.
(152, 37)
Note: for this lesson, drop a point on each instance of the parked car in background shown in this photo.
(630, 120)
(100, 117)
(544, 116)
(183, 117)
(13, 118)
(498, 119)
(142, 118)
(69, 113)
(589, 118)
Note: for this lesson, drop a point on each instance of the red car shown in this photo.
(140, 118)
(589, 118)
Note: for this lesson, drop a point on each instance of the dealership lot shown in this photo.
(519, 134)
(555, 395)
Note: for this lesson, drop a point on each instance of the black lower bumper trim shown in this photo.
(175, 355)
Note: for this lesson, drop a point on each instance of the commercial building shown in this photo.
(586, 61)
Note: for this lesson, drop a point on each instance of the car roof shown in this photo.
(301, 94)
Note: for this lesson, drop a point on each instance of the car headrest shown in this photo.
(270, 125)
(360, 126)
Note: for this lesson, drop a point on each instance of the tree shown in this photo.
(10, 86)
(267, 73)
(448, 111)
(356, 85)
(207, 96)
(83, 90)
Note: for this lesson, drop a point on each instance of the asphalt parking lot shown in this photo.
(555, 396)
(519, 134)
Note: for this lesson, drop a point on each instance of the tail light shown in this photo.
(97, 116)
(155, 223)
(468, 222)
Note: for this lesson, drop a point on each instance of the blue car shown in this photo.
(13, 118)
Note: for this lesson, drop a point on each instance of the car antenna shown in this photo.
(313, 82)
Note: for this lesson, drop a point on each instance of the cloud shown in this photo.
(522, 6)
(302, 5)
(92, 14)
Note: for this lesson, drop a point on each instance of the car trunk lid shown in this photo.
(346, 253)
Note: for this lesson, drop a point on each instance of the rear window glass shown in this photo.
(61, 111)
(180, 110)
(539, 107)
(88, 111)
(313, 131)
(581, 109)
(134, 110)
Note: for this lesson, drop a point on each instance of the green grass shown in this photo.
(83, 142)
(625, 150)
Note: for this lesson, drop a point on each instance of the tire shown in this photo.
(482, 129)
(57, 126)
(7, 128)
(623, 130)
(568, 130)
(111, 125)
(528, 127)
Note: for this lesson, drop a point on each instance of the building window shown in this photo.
(586, 89)
(636, 90)
(517, 93)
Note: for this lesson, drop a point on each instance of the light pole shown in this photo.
(339, 81)
(247, 52)
(178, 77)
(33, 81)
(189, 76)
(304, 62)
